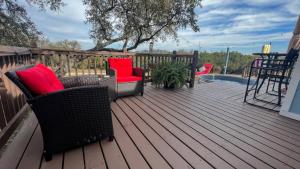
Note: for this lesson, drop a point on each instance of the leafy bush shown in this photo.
(236, 63)
(170, 75)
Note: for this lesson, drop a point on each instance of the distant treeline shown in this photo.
(236, 64)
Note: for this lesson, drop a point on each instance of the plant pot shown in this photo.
(167, 86)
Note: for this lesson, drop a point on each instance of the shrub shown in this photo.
(170, 75)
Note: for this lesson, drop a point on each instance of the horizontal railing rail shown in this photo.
(74, 63)
(68, 63)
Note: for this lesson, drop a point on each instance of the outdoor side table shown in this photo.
(110, 82)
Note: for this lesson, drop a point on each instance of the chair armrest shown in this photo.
(263, 63)
(271, 60)
(72, 92)
(76, 81)
(72, 101)
(270, 54)
(138, 72)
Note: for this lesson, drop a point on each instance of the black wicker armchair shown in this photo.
(78, 115)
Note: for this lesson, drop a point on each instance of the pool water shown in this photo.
(226, 79)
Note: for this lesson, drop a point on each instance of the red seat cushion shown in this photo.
(40, 80)
(200, 73)
(128, 79)
(122, 65)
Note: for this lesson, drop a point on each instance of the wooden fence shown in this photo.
(68, 63)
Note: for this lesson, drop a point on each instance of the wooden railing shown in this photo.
(12, 101)
(74, 63)
(68, 63)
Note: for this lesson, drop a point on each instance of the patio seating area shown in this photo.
(207, 126)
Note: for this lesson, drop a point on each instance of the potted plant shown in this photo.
(170, 75)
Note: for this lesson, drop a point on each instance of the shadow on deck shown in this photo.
(204, 127)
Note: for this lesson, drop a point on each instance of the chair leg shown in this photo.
(279, 92)
(268, 85)
(273, 88)
(262, 83)
(257, 84)
(111, 138)
(48, 156)
(248, 83)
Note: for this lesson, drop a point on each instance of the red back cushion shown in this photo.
(122, 65)
(208, 67)
(40, 80)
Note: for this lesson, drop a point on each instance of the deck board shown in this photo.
(251, 109)
(113, 155)
(249, 117)
(266, 147)
(93, 156)
(34, 152)
(74, 159)
(214, 134)
(152, 156)
(133, 156)
(200, 144)
(244, 129)
(204, 127)
(169, 136)
(168, 152)
(19, 144)
(55, 163)
(206, 106)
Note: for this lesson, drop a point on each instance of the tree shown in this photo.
(64, 44)
(133, 22)
(16, 28)
(129, 22)
(237, 61)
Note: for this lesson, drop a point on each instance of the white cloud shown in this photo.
(222, 22)
(209, 3)
(257, 22)
(293, 7)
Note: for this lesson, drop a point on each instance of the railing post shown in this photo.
(173, 57)
(68, 63)
(193, 68)
(61, 73)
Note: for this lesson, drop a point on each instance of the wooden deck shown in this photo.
(204, 127)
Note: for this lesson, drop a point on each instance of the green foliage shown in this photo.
(16, 28)
(170, 75)
(64, 44)
(132, 22)
(127, 22)
(237, 61)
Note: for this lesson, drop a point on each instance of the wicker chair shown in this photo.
(133, 83)
(78, 115)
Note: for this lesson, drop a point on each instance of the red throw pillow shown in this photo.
(53, 80)
(40, 80)
(122, 65)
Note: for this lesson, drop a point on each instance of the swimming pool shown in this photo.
(226, 78)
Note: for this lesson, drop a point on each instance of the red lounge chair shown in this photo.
(130, 81)
(208, 67)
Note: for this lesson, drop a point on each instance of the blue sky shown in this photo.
(242, 25)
